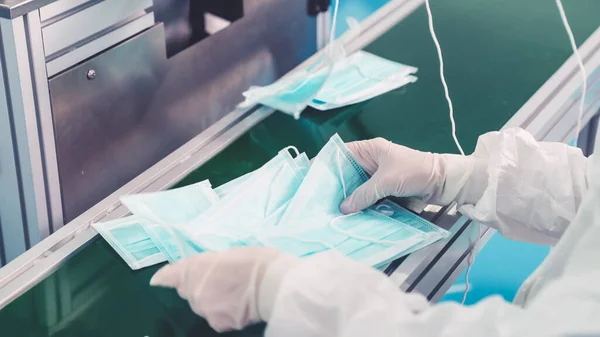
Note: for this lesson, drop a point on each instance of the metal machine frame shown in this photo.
(548, 115)
(31, 198)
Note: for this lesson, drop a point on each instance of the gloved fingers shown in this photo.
(364, 196)
(367, 153)
(169, 276)
(175, 275)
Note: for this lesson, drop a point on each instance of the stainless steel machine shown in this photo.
(107, 98)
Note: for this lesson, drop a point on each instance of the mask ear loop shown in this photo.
(330, 51)
(582, 70)
(403, 80)
(294, 149)
(470, 262)
(286, 164)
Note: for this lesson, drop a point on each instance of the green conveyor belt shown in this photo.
(497, 54)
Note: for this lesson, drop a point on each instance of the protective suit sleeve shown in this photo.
(330, 296)
(533, 188)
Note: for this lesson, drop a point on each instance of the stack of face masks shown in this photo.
(287, 204)
(340, 82)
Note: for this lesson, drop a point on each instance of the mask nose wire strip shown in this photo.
(582, 70)
(442, 77)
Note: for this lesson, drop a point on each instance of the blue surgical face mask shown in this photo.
(141, 240)
(360, 77)
(433, 233)
(239, 214)
(230, 187)
(129, 239)
(293, 93)
(179, 205)
(368, 237)
(334, 174)
(312, 222)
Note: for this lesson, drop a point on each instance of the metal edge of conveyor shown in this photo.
(27, 270)
(549, 115)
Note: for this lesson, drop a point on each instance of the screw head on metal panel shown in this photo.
(91, 74)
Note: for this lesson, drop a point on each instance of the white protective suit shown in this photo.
(533, 193)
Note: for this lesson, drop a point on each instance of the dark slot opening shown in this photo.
(185, 22)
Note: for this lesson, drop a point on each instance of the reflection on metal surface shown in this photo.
(95, 121)
(80, 300)
(214, 24)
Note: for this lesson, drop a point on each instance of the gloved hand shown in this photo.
(398, 171)
(225, 287)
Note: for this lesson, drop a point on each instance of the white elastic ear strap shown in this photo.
(442, 77)
(582, 70)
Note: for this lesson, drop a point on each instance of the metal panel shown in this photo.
(60, 7)
(64, 34)
(15, 8)
(101, 43)
(96, 119)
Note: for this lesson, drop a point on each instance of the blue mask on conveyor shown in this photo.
(129, 239)
(360, 77)
(141, 240)
(368, 237)
(265, 193)
(293, 93)
(165, 209)
(433, 232)
(179, 205)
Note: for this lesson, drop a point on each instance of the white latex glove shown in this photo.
(225, 287)
(398, 171)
